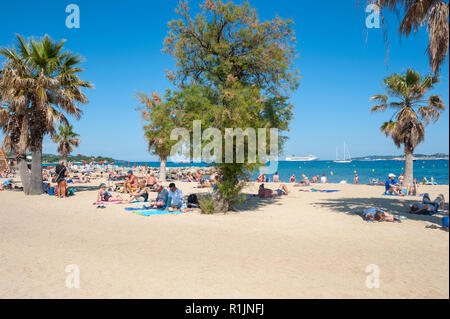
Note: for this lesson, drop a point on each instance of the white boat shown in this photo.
(344, 160)
(294, 158)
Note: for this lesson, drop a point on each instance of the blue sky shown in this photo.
(342, 64)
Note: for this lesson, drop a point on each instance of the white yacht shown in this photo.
(344, 160)
(308, 158)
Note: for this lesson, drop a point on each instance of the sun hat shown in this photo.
(391, 175)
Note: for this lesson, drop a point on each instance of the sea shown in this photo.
(337, 172)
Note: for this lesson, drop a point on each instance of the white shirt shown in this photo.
(323, 179)
(176, 197)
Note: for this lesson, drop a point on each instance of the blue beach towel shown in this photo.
(156, 212)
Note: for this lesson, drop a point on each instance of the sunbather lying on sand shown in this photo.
(376, 214)
(427, 207)
(304, 182)
(267, 192)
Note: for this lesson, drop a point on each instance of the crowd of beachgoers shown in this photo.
(136, 185)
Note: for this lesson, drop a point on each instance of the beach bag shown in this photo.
(192, 199)
(71, 191)
(51, 191)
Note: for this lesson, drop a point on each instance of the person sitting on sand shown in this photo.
(324, 179)
(161, 199)
(315, 179)
(176, 198)
(292, 179)
(189, 177)
(141, 195)
(199, 177)
(374, 181)
(276, 178)
(150, 181)
(413, 189)
(427, 207)
(392, 187)
(131, 183)
(267, 192)
(84, 178)
(261, 178)
(104, 196)
(400, 179)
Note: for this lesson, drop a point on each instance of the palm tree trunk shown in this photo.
(36, 169)
(25, 175)
(162, 170)
(408, 165)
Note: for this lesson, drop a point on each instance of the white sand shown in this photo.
(304, 245)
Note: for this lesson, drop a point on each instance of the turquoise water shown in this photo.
(335, 172)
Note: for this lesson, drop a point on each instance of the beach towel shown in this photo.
(142, 208)
(107, 203)
(156, 212)
(314, 190)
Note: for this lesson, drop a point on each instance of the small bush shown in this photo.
(206, 204)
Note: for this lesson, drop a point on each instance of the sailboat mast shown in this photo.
(344, 150)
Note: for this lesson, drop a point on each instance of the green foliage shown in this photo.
(50, 158)
(411, 110)
(233, 71)
(66, 138)
(160, 119)
(206, 204)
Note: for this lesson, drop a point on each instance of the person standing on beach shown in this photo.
(276, 178)
(60, 173)
(356, 179)
(292, 179)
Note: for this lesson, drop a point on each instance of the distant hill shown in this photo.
(50, 158)
(401, 157)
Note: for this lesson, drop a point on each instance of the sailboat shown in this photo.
(344, 160)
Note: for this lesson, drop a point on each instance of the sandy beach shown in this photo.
(304, 245)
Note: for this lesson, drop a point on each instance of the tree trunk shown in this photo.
(25, 175)
(162, 170)
(36, 170)
(221, 204)
(408, 180)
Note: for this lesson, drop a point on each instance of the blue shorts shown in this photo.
(280, 192)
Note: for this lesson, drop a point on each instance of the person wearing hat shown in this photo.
(392, 187)
(131, 183)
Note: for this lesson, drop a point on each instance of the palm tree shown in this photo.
(434, 13)
(411, 112)
(46, 79)
(66, 138)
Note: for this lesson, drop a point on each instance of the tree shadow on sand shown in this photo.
(253, 203)
(355, 206)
